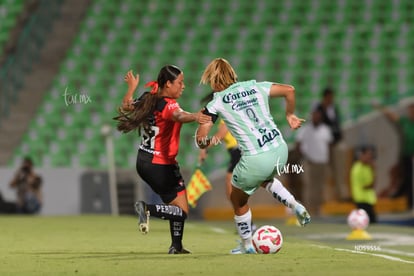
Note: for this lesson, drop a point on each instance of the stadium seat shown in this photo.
(9, 12)
(360, 48)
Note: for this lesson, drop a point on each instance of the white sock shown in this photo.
(279, 192)
(244, 227)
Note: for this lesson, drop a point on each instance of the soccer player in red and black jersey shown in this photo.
(158, 118)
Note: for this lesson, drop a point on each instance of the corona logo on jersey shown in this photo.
(199, 184)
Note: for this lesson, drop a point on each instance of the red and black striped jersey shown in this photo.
(162, 139)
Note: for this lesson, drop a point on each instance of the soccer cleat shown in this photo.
(243, 250)
(173, 250)
(143, 216)
(302, 214)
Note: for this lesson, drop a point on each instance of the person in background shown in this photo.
(230, 142)
(313, 141)
(28, 188)
(6, 207)
(330, 114)
(363, 182)
(405, 126)
(331, 117)
(223, 134)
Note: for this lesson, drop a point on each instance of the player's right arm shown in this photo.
(221, 132)
(182, 116)
(132, 81)
(201, 137)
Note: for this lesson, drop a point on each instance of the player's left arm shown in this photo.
(221, 132)
(288, 92)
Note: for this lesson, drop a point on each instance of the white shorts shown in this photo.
(252, 170)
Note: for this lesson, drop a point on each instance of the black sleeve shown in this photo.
(137, 100)
(213, 116)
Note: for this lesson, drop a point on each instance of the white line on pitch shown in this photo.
(388, 257)
(397, 252)
(391, 258)
(218, 230)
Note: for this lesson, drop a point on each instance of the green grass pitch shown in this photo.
(108, 245)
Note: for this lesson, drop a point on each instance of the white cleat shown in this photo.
(143, 216)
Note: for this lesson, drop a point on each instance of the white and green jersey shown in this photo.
(244, 107)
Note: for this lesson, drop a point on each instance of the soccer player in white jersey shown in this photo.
(244, 107)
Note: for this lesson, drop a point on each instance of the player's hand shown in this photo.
(293, 121)
(131, 80)
(202, 156)
(202, 118)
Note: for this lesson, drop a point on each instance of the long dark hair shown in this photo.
(141, 115)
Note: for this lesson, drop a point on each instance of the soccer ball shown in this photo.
(267, 240)
(358, 219)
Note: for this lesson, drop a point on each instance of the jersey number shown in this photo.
(252, 115)
(148, 137)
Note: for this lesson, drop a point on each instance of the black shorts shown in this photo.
(235, 155)
(164, 180)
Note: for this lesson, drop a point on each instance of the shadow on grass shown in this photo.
(132, 255)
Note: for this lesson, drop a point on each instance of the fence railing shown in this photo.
(27, 52)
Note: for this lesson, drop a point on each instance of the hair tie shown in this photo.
(154, 86)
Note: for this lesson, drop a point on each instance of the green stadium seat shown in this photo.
(88, 160)
(9, 12)
(56, 160)
(359, 48)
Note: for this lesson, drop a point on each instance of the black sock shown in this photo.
(176, 231)
(164, 211)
